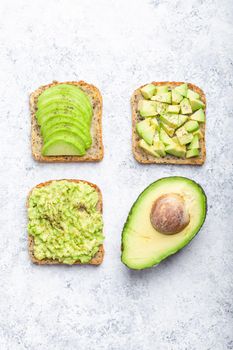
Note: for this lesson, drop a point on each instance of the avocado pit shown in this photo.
(169, 214)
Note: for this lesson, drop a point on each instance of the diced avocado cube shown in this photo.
(194, 152)
(154, 123)
(185, 106)
(164, 137)
(182, 119)
(196, 104)
(173, 109)
(170, 131)
(175, 139)
(194, 143)
(156, 136)
(176, 150)
(148, 149)
(165, 97)
(176, 97)
(171, 120)
(161, 107)
(161, 89)
(183, 136)
(148, 91)
(147, 108)
(198, 133)
(159, 148)
(191, 125)
(182, 89)
(199, 116)
(192, 95)
(145, 131)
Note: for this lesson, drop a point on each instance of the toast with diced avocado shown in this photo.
(33, 230)
(173, 114)
(66, 122)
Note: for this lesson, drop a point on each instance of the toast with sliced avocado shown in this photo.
(65, 224)
(66, 122)
(173, 116)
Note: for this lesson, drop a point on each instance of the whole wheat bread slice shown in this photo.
(140, 155)
(95, 152)
(96, 260)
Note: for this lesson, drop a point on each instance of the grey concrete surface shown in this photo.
(186, 302)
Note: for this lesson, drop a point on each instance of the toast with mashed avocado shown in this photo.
(66, 122)
(65, 224)
(168, 121)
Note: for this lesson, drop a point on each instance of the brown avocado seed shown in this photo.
(169, 214)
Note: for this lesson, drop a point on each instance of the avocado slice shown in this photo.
(148, 149)
(171, 120)
(199, 116)
(176, 150)
(145, 131)
(185, 106)
(61, 119)
(147, 108)
(165, 97)
(192, 95)
(173, 109)
(191, 125)
(61, 108)
(176, 97)
(72, 128)
(148, 91)
(182, 89)
(142, 244)
(194, 152)
(159, 148)
(58, 114)
(62, 144)
(194, 143)
(196, 104)
(68, 90)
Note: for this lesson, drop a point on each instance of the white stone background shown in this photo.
(186, 301)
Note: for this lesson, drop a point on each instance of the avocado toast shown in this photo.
(168, 123)
(66, 122)
(67, 215)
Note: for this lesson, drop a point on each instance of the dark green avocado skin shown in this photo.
(131, 210)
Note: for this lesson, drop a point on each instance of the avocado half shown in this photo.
(143, 245)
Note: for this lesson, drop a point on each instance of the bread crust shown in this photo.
(99, 256)
(143, 157)
(95, 152)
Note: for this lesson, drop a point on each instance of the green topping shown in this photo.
(148, 91)
(194, 152)
(170, 111)
(64, 222)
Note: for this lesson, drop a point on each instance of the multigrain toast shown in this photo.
(140, 155)
(96, 260)
(95, 152)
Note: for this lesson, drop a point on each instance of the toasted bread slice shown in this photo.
(145, 158)
(95, 152)
(99, 256)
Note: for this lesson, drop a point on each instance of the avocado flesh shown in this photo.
(68, 90)
(148, 91)
(55, 120)
(63, 113)
(60, 143)
(194, 152)
(142, 245)
(69, 128)
(65, 104)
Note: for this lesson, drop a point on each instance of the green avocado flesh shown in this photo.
(64, 114)
(142, 245)
(170, 111)
(64, 222)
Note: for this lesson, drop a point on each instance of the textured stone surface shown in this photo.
(184, 303)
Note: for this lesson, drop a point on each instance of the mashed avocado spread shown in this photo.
(64, 222)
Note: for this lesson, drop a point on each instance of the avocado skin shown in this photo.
(182, 245)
